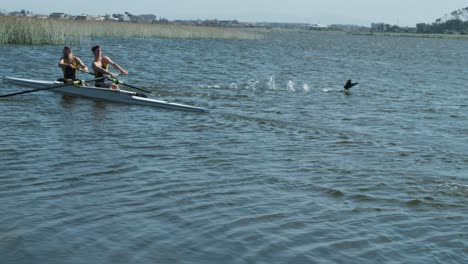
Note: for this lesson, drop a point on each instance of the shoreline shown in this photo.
(410, 35)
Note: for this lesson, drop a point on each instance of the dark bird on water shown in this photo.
(349, 84)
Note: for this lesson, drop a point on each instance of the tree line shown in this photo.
(452, 26)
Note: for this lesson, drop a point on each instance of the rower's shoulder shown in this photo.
(107, 59)
(76, 58)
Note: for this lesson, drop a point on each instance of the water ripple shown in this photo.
(286, 168)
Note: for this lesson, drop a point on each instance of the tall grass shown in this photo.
(32, 31)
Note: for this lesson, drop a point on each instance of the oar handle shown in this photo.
(81, 70)
(117, 81)
(114, 80)
(90, 73)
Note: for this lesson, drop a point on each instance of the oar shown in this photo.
(50, 88)
(116, 81)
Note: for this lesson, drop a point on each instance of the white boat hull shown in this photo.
(105, 94)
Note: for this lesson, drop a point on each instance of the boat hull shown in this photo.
(104, 94)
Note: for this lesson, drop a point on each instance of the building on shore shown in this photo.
(379, 27)
(40, 16)
(89, 18)
(124, 19)
(84, 18)
(109, 18)
(57, 15)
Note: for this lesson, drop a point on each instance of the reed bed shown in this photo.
(33, 31)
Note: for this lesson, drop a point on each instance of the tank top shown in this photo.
(69, 73)
(98, 74)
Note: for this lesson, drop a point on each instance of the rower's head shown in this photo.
(96, 50)
(67, 51)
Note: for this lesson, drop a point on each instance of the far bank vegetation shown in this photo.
(34, 31)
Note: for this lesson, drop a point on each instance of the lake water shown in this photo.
(284, 169)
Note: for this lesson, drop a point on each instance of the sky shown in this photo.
(361, 12)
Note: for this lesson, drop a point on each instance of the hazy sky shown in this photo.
(401, 12)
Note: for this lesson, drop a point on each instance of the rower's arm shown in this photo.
(62, 63)
(100, 69)
(116, 66)
(83, 66)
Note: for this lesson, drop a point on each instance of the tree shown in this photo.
(423, 28)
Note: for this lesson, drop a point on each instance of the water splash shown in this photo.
(233, 86)
(290, 86)
(306, 87)
(209, 86)
(252, 84)
(271, 84)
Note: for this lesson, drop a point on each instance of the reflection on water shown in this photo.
(285, 168)
(74, 103)
(68, 102)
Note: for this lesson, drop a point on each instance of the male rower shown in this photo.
(70, 65)
(100, 67)
(349, 84)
